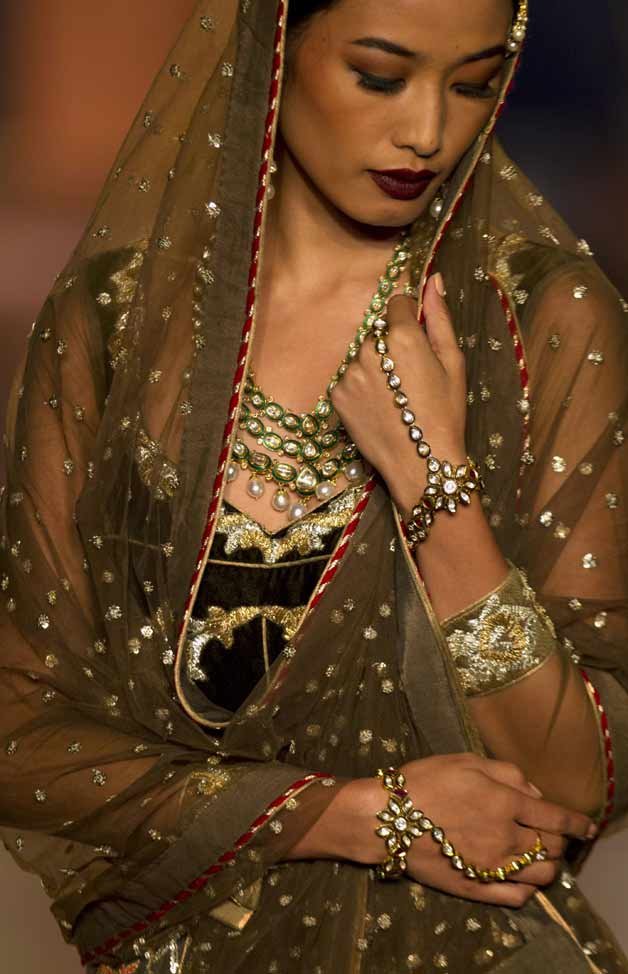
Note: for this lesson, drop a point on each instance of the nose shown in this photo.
(421, 124)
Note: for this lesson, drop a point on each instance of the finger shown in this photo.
(439, 326)
(555, 844)
(538, 874)
(539, 814)
(501, 894)
(507, 773)
(403, 312)
(526, 839)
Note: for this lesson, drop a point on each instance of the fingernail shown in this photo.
(593, 831)
(440, 284)
(536, 791)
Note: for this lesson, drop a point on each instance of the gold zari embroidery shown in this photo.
(221, 624)
(305, 536)
(502, 638)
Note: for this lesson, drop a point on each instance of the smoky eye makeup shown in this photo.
(378, 83)
(485, 91)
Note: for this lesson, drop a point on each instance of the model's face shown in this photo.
(381, 85)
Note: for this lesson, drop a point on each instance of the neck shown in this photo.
(308, 240)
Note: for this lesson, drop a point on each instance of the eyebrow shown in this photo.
(389, 47)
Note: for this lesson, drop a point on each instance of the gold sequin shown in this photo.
(156, 472)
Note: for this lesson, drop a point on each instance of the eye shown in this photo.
(373, 82)
(476, 91)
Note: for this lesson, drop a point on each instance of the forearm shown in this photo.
(544, 722)
(346, 829)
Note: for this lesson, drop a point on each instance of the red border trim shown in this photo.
(608, 748)
(226, 859)
(250, 308)
(325, 580)
(343, 546)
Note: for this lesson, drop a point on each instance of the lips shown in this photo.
(403, 184)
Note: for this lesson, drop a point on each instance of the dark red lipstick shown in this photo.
(403, 184)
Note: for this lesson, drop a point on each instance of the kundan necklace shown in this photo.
(303, 454)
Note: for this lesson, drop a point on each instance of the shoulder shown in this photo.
(554, 290)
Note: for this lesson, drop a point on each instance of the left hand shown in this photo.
(431, 366)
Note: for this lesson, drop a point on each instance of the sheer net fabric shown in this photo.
(117, 790)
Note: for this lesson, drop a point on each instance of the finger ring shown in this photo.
(538, 853)
(502, 874)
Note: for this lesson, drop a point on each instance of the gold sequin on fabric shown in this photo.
(305, 536)
(156, 472)
(502, 638)
(221, 624)
(508, 248)
(116, 295)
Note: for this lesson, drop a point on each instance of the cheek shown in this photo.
(465, 122)
(320, 122)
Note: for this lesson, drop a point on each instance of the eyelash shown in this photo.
(481, 91)
(386, 86)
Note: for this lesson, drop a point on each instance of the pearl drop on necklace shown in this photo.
(281, 500)
(255, 488)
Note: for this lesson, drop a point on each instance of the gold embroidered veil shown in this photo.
(117, 787)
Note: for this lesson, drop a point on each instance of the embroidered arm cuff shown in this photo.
(501, 638)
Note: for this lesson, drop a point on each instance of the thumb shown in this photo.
(439, 326)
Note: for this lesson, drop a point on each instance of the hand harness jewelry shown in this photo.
(402, 823)
(447, 484)
(305, 463)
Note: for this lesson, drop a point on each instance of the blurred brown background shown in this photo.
(74, 73)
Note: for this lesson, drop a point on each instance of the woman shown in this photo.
(223, 617)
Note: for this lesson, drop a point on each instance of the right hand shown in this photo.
(488, 811)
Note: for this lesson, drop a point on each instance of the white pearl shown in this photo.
(407, 417)
(519, 34)
(437, 207)
(354, 470)
(281, 500)
(324, 490)
(416, 434)
(255, 488)
(232, 472)
(296, 511)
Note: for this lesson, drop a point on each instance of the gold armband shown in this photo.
(502, 638)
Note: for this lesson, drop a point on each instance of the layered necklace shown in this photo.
(304, 454)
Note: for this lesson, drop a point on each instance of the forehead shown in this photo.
(440, 26)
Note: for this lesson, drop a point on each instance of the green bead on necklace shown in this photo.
(297, 453)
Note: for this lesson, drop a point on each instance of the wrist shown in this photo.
(408, 484)
(357, 809)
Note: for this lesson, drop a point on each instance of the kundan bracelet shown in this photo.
(402, 823)
(447, 484)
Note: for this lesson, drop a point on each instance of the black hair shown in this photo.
(302, 10)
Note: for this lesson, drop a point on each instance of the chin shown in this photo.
(389, 216)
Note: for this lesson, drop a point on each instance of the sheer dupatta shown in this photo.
(140, 804)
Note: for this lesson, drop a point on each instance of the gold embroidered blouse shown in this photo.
(254, 591)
